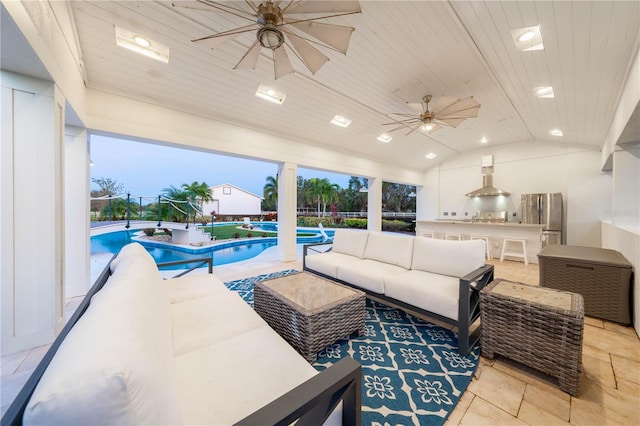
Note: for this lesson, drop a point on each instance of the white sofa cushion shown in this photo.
(190, 287)
(116, 364)
(368, 274)
(212, 319)
(350, 242)
(387, 248)
(453, 258)
(328, 263)
(433, 292)
(223, 383)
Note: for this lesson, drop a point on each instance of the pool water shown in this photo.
(223, 253)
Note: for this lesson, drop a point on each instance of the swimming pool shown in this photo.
(223, 253)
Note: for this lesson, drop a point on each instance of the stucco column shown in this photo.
(287, 209)
(77, 246)
(374, 205)
(32, 212)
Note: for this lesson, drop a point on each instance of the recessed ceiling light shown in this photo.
(484, 140)
(431, 156)
(141, 41)
(544, 92)
(270, 94)
(136, 43)
(555, 132)
(527, 36)
(341, 121)
(527, 39)
(384, 138)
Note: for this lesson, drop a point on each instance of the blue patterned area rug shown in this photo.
(412, 373)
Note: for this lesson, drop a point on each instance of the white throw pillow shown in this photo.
(350, 242)
(387, 248)
(448, 257)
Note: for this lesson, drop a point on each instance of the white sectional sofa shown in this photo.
(179, 351)
(439, 278)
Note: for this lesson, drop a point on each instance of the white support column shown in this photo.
(287, 209)
(77, 245)
(32, 212)
(374, 205)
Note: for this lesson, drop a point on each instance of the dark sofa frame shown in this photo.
(310, 403)
(468, 306)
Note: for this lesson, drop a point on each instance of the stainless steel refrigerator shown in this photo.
(546, 210)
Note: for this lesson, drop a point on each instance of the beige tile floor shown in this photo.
(503, 392)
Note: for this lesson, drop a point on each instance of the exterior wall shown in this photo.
(32, 213)
(231, 200)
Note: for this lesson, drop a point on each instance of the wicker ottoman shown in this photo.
(538, 327)
(309, 312)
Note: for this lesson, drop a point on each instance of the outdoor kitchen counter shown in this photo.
(495, 231)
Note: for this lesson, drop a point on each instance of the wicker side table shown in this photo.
(538, 327)
(308, 311)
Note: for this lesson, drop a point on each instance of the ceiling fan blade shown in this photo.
(219, 39)
(250, 59)
(336, 36)
(419, 107)
(444, 102)
(401, 114)
(281, 63)
(414, 129)
(451, 122)
(323, 7)
(467, 107)
(310, 56)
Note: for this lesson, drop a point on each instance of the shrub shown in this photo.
(356, 223)
(312, 221)
(264, 235)
(203, 220)
(236, 235)
(149, 231)
(249, 235)
(395, 226)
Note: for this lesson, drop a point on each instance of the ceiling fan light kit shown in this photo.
(275, 31)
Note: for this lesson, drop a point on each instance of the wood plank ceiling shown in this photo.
(400, 51)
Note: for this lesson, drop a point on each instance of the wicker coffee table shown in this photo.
(539, 327)
(309, 312)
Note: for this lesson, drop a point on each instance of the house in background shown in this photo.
(229, 200)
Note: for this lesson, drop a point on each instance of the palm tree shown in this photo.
(176, 194)
(198, 194)
(270, 191)
(322, 191)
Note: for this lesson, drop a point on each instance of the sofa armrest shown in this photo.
(469, 306)
(313, 401)
(312, 247)
(481, 276)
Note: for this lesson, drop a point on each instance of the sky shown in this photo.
(145, 169)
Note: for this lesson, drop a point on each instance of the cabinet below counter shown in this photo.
(495, 231)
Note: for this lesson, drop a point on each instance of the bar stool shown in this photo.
(486, 240)
(428, 234)
(457, 237)
(522, 255)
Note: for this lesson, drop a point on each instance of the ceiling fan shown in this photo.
(274, 28)
(448, 111)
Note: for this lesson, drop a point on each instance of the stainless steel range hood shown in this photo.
(487, 190)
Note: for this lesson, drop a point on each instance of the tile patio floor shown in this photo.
(502, 393)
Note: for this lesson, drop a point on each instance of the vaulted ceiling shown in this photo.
(399, 52)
